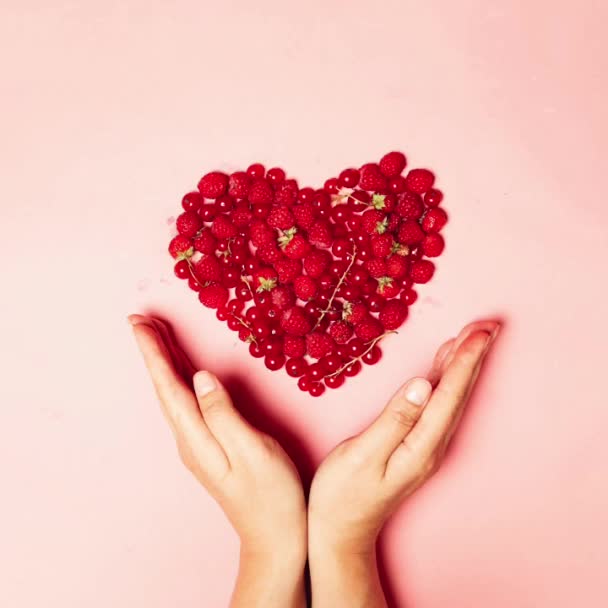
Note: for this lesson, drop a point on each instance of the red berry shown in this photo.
(397, 184)
(368, 329)
(375, 267)
(304, 215)
(205, 242)
(433, 197)
(305, 382)
(388, 287)
(208, 269)
(260, 193)
(282, 298)
(305, 287)
(243, 292)
(354, 313)
(316, 262)
(335, 381)
(238, 184)
(375, 302)
(288, 270)
(410, 206)
(194, 284)
(393, 314)
(316, 371)
(349, 178)
(422, 271)
(269, 253)
(434, 219)
(316, 389)
(294, 346)
(207, 212)
(274, 362)
(224, 203)
(260, 211)
(261, 234)
(392, 164)
(286, 193)
(280, 217)
(256, 171)
(256, 350)
(374, 221)
(182, 270)
(372, 356)
(223, 228)
(296, 367)
(372, 179)
(381, 245)
(410, 233)
(433, 245)
(213, 295)
(319, 344)
(409, 296)
(296, 322)
(188, 223)
(331, 186)
(341, 332)
(419, 180)
(180, 247)
(213, 184)
(294, 247)
(353, 369)
(260, 329)
(319, 234)
(192, 201)
(264, 279)
(396, 266)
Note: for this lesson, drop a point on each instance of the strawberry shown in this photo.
(223, 228)
(396, 266)
(354, 312)
(410, 206)
(341, 331)
(372, 179)
(213, 184)
(205, 242)
(294, 346)
(382, 245)
(410, 233)
(387, 287)
(376, 267)
(319, 344)
(320, 234)
(434, 220)
(238, 184)
(422, 271)
(316, 262)
(188, 223)
(264, 279)
(305, 287)
(282, 298)
(241, 217)
(180, 247)
(368, 329)
(374, 221)
(280, 217)
(208, 269)
(296, 247)
(392, 164)
(269, 253)
(433, 245)
(304, 215)
(260, 193)
(261, 234)
(393, 314)
(213, 295)
(286, 193)
(419, 180)
(295, 321)
(288, 270)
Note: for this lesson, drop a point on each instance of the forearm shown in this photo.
(269, 581)
(345, 579)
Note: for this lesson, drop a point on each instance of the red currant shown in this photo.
(192, 201)
(332, 186)
(316, 389)
(335, 381)
(296, 367)
(275, 175)
(274, 362)
(256, 170)
(207, 212)
(372, 356)
(255, 350)
(353, 369)
(182, 270)
(349, 178)
(304, 383)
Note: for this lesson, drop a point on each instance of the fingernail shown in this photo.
(495, 332)
(136, 320)
(204, 383)
(418, 391)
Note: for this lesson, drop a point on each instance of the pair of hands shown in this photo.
(353, 493)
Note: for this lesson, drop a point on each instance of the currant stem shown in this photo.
(192, 273)
(333, 295)
(372, 343)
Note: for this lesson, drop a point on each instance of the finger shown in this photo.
(223, 419)
(434, 375)
(484, 325)
(181, 360)
(451, 394)
(382, 437)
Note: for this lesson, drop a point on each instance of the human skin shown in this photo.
(355, 490)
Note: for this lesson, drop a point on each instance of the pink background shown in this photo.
(112, 110)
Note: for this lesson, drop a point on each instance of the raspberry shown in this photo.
(223, 228)
(305, 287)
(433, 245)
(294, 346)
(410, 206)
(241, 217)
(341, 332)
(180, 247)
(264, 279)
(392, 164)
(213, 296)
(288, 270)
(188, 223)
(422, 271)
(282, 298)
(213, 184)
(419, 180)
(372, 179)
(374, 221)
(382, 245)
(286, 193)
(208, 269)
(368, 329)
(280, 217)
(388, 287)
(261, 234)
(393, 314)
(316, 262)
(376, 267)
(269, 253)
(410, 233)
(205, 242)
(304, 215)
(296, 322)
(354, 313)
(396, 266)
(238, 184)
(320, 234)
(433, 198)
(260, 193)
(319, 344)
(296, 247)
(434, 220)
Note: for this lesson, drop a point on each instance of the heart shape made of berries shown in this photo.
(312, 279)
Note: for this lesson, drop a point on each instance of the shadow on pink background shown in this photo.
(112, 111)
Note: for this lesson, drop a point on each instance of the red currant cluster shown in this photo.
(311, 279)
